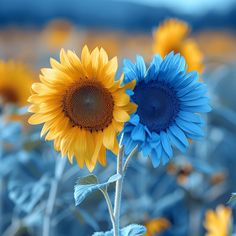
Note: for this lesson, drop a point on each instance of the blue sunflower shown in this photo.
(169, 102)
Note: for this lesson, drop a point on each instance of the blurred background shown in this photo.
(170, 200)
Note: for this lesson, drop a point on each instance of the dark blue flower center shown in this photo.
(157, 103)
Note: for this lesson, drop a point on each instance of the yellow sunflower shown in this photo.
(218, 223)
(15, 83)
(172, 35)
(81, 105)
(156, 226)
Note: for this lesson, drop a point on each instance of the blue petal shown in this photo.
(134, 119)
(154, 140)
(179, 134)
(157, 61)
(153, 69)
(180, 145)
(138, 133)
(188, 80)
(187, 89)
(126, 137)
(129, 146)
(178, 79)
(155, 137)
(166, 144)
(194, 87)
(166, 61)
(195, 94)
(181, 64)
(165, 158)
(189, 127)
(194, 136)
(175, 77)
(146, 149)
(129, 92)
(196, 102)
(129, 70)
(189, 116)
(177, 63)
(203, 108)
(169, 76)
(141, 67)
(128, 128)
(147, 130)
(156, 157)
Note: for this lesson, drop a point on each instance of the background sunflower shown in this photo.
(173, 35)
(15, 82)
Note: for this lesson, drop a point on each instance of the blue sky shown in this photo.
(189, 6)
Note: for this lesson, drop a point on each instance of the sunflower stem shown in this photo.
(110, 208)
(1, 191)
(59, 169)
(118, 191)
(131, 155)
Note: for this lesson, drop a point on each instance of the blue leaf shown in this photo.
(108, 233)
(130, 230)
(133, 230)
(88, 184)
(232, 198)
(27, 196)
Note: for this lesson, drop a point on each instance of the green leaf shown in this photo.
(130, 230)
(89, 179)
(88, 184)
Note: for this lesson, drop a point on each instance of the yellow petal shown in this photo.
(102, 156)
(90, 165)
(85, 56)
(111, 67)
(94, 59)
(120, 115)
(33, 109)
(109, 137)
(103, 58)
(115, 149)
(98, 145)
(121, 98)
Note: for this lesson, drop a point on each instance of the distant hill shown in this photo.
(104, 14)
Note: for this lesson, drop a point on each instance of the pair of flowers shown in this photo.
(84, 108)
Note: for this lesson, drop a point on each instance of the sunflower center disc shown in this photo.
(157, 103)
(7, 95)
(89, 105)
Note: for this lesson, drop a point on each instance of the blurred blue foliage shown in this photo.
(180, 192)
(130, 230)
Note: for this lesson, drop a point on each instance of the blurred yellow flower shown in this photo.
(110, 41)
(15, 83)
(172, 35)
(156, 226)
(81, 105)
(57, 33)
(218, 223)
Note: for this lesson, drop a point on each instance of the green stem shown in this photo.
(1, 191)
(131, 155)
(121, 170)
(118, 191)
(110, 208)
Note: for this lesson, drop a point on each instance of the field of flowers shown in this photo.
(108, 132)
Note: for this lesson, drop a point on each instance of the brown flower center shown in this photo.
(8, 95)
(89, 105)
